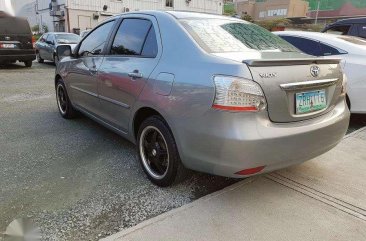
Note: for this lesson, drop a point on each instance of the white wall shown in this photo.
(115, 6)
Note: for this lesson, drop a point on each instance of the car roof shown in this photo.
(332, 39)
(178, 14)
(350, 20)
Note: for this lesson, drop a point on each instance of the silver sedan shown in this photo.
(204, 92)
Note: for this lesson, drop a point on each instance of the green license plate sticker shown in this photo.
(311, 101)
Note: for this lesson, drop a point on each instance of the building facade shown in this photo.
(78, 15)
(334, 9)
(270, 9)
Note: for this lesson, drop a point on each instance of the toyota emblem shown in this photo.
(315, 71)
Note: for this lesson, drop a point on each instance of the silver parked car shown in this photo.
(47, 44)
(203, 92)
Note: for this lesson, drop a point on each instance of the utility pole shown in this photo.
(317, 12)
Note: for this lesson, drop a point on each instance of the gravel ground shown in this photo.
(75, 179)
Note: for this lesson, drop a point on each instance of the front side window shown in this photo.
(135, 37)
(95, 42)
(218, 36)
(305, 45)
(339, 30)
(50, 39)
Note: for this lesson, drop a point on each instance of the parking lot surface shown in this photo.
(76, 179)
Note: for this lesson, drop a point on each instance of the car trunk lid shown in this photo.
(297, 88)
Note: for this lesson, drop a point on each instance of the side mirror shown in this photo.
(63, 51)
(50, 42)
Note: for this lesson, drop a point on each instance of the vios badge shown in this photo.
(315, 71)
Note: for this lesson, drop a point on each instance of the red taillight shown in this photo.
(233, 108)
(33, 41)
(237, 94)
(250, 171)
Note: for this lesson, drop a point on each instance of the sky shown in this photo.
(6, 6)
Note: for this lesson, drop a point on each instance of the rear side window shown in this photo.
(339, 30)
(222, 35)
(326, 50)
(305, 45)
(95, 42)
(135, 37)
(362, 30)
(11, 25)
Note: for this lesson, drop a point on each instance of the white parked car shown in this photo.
(352, 50)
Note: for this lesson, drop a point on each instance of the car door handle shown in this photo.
(135, 75)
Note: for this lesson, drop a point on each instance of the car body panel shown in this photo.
(179, 85)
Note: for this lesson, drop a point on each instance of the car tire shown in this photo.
(64, 105)
(158, 153)
(39, 59)
(28, 63)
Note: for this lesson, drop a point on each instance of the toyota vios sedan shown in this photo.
(204, 92)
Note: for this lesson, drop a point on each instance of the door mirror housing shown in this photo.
(50, 42)
(63, 51)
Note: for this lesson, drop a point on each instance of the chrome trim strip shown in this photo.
(309, 84)
(114, 102)
(84, 91)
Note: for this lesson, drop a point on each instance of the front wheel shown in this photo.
(28, 63)
(39, 59)
(63, 102)
(158, 152)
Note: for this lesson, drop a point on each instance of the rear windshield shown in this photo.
(67, 38)
(10, 25)
(221, 35)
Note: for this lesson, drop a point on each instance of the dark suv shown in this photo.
(353, 27)
(16, 42)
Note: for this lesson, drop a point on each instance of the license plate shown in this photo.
(310, 101)
(7, 46)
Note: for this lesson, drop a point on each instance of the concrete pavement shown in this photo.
(323, 199)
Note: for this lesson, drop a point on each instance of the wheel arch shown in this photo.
(142, 114)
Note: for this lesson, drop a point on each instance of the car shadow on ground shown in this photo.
(357, 122)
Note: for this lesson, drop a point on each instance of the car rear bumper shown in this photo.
(226, 143)
(14, 55)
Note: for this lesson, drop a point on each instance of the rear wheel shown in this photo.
(28, 63)
(63, 102)
(158, 152)
(39, 59)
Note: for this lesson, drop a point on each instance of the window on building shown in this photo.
(169, 3)
(305, 45)
(135, 37)
(94, 43)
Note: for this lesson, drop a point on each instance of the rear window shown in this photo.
(10, 25)
(67, 38)
(218, 36)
